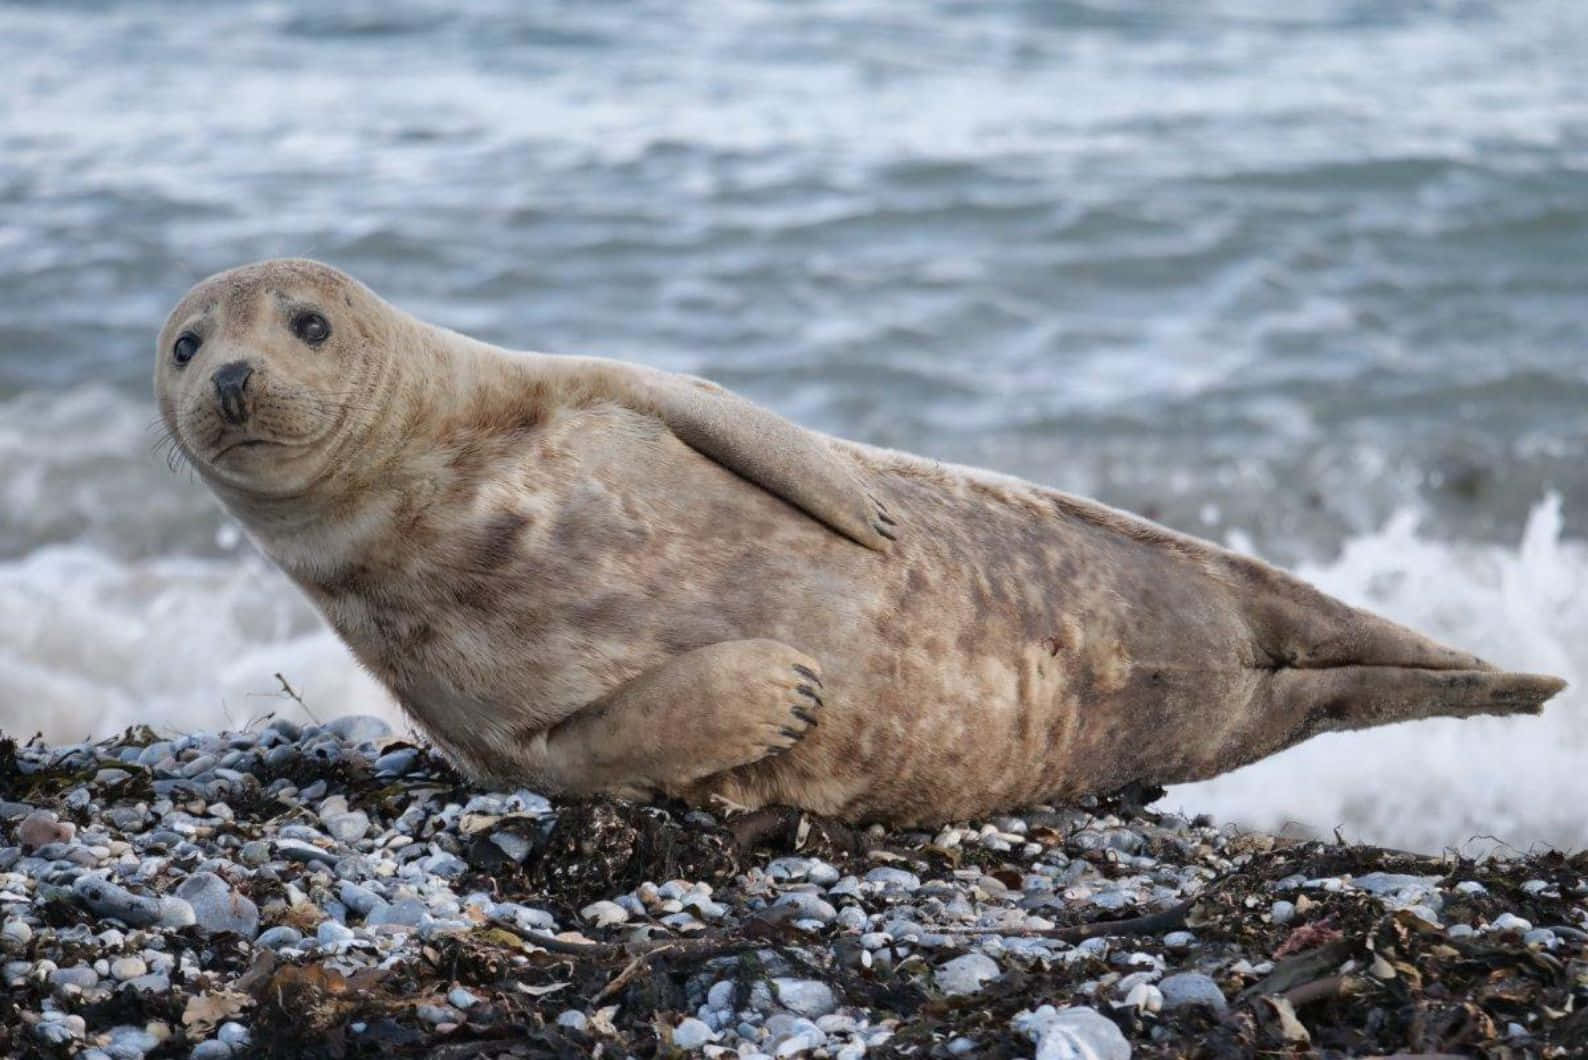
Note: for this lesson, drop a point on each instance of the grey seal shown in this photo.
(590, 576)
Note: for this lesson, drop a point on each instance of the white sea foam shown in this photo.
(1438, 784)
(90, 645)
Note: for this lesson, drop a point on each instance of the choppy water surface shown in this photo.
(1312, 283)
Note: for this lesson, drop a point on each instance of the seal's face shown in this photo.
(255, 373)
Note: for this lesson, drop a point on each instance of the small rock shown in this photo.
(965, 975)
(210, 1050)
(810, 998)
(1074, 1033)
(573, 1019)
(41, 828)
(277, 937)
(217, 908)
(15, 934)
(691, 1034)
(892, 879)
(103, 898)
(1191, 988)
(347, 827)
(125, 968)
(461, 999)
(604, 914)
(807, 906)
(1510, 922)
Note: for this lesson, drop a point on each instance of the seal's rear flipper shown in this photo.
(1356, 697)
(1296, 626)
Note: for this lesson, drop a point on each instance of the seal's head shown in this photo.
(264, 373)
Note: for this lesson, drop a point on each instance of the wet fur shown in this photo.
(509, 541)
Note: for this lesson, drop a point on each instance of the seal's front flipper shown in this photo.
(706, 711)
(781, 457)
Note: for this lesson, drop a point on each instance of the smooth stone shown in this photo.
(691, 1034)
(573, 1019)
(1282, 912)
(103, 898)
(234, 1034)
(348, 827)
(298, 850)
(810, 998)
(217, 908)
(1191, 988)
(41, 828)
(807, 906)
(330, 933)
(210, 1050)
(408, 911)
(361, 900)
(720, 996)
(277, 937)
(177, 912)
(1179, 940)
(1510, 922)
(965, 975)
(461, 999)
(514, 846)
(1073, 1033)
(15, 934)
(124, 968)
(604, 913)
(894, 879)
(79, 975)
(395, 763)
(153, 983)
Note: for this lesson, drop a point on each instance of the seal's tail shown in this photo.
(1338, 667)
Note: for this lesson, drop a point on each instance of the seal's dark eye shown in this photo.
(185, 347)
(311, 328)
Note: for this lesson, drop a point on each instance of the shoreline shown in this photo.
(337, 891)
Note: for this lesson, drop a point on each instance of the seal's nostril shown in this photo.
(229, 381)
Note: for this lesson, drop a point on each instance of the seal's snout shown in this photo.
(230, 379)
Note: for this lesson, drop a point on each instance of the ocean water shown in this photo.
(1308, 279)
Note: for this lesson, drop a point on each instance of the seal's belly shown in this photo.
(972, 663)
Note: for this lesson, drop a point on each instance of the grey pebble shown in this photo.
(103, 898)
(894, 879)
(1074, 1033)
(691, 1034)
(810, 998)
(395, 763)
(210, 1050)
(967, 974)
(807, 906)
(217, 908)
(277, 937)
(348, 827)
(1191, 988)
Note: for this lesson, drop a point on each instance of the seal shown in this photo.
(591, 576)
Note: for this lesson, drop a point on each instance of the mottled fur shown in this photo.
(588, 575)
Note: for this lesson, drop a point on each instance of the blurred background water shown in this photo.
(1308, 279)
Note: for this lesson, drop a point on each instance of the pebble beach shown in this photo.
(337, 890)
